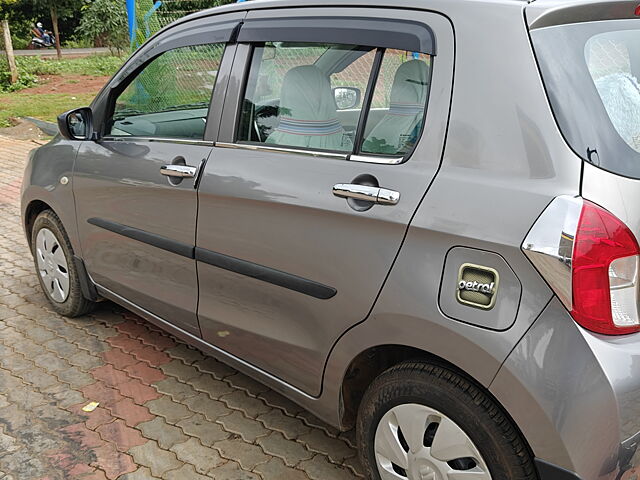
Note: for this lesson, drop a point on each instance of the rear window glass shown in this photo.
(591, 72)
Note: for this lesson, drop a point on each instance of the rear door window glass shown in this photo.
(170, 97)
(338, 98)
(305, 95)
(396, 117)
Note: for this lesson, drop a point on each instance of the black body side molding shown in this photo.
(226, 262)
(266, 274)
(158, 241)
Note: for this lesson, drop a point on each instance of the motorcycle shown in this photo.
(39, 42)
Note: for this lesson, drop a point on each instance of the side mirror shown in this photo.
(347, 97)
(77, 124)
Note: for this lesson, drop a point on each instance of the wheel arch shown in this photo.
(33, 209)
(369, 364)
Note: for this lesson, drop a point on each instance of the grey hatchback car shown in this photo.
(419, 218)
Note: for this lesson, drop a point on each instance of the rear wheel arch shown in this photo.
(365, 367)
(369, 364)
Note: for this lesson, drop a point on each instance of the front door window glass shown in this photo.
(170, 97)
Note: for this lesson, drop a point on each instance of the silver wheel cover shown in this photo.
(416, 442)
(52, 265)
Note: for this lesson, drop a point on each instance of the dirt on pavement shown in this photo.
(25, 130)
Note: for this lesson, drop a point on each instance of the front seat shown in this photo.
(399, 129)
(307, 116)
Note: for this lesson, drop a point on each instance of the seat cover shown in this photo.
(307, 115)
(399, 128)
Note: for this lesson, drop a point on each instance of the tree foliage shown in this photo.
(104, 22)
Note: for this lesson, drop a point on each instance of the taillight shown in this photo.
(591, 260)
(605, 273)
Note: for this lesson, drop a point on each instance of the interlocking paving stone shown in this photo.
(240, 400)
(247, 455)
(210, 385)
(166, 435)
(275, 469)
(159, 461)
(202, 458)
(187, 354)
(181, 371)
(319, 442)
(113, 463)
(319, 468)
(274, 399)
(186, 472)
(249, 429)
(138, 391)
(207, 432)
(290, 427)
(178, 391)
(248, 384)
(131, 413)
(288, 450)
(171, 411)
(211, 409)
(122, 436)
(118, 358)
(232, 471)
(155, 394)
(215, 368)
(142, 473)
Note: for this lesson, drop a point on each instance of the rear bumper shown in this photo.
(576, 398)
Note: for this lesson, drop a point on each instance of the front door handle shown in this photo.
(381, 196)
(179, 171)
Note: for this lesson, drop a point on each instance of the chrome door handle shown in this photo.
(382, 196)
(180, 171)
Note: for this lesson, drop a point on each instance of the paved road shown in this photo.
(66, 52)
(166, 411)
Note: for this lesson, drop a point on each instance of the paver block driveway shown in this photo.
(165, 410)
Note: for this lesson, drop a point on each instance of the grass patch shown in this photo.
(91, 65)
(30, 67)
(45, 106)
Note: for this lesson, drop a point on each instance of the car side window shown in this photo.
(305, 95)
(396, 117)
(170, 97)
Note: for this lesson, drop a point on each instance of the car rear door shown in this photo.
(291, 251)
(134, 188)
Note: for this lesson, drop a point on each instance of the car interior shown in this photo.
(313, 100)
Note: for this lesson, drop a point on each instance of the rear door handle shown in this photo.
(179, 171)
(381, 196)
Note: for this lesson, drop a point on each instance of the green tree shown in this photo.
(5, 8)
(58, 9)
(104, 21)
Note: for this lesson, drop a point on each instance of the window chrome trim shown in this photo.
(373, 159)
(179, 141)
(264, 148)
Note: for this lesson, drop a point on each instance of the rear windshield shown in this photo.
(591, 72)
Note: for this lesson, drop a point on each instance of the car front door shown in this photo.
(134, 187)
(307, 195)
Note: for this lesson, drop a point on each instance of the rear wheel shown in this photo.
(53, 257)
(420, 421)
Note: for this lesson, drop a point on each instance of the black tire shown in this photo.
(499, 442)
(75, 304)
